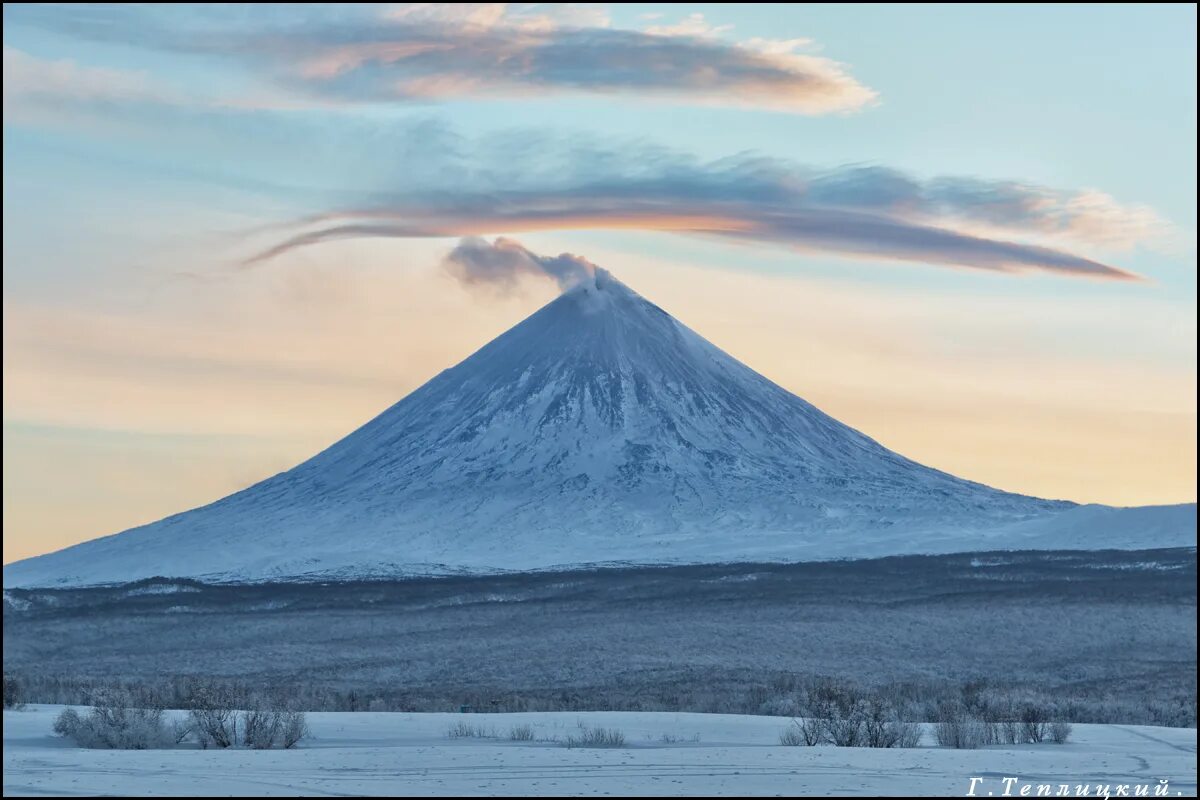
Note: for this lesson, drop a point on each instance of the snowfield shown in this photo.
(715, 754)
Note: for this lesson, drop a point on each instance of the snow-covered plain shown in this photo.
(717, 754)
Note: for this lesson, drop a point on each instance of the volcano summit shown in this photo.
(599, 430)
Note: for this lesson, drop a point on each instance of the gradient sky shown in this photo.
(967, 231)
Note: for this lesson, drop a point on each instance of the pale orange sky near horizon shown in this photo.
(126, 418)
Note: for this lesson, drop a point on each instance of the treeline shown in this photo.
(783, 695)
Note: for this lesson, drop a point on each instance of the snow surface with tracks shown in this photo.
(410, 754)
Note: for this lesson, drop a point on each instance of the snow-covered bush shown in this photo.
(115, 722)
(121, 720)
(67, 723)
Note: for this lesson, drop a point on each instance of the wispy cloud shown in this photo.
(39, 85)
(693, 24)
(532, 180)
(438, 51)
(853, 210)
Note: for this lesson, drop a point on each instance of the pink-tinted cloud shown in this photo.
(854, 211)
(434, 51)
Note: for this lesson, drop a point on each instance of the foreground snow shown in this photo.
(410, 754)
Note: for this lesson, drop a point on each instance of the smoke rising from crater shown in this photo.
(502, 262)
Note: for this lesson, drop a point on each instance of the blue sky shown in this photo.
(820, 189)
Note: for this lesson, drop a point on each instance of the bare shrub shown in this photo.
(465, 730)
(962, 733)
(845, 731)
(804, 732)
(846, 716)
(262, 728)
(215, 727)
(294, 729)
(812, 730)
(595, 737)
(181, 730)
(978, 720)
(12, 693)
(1034, 724)
(521, 733)
(842, 710)
(1060, 732)
(214, 719)
(905, 734)
(1006, 731)
(883, 727)
(997, 711)
(958, 729)
(793, 737)
(268, 723)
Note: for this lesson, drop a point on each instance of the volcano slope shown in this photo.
(600, 430)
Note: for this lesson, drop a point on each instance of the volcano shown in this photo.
(598, 431)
